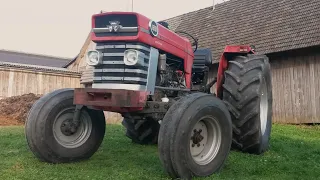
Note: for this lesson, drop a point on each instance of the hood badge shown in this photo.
(114, 26)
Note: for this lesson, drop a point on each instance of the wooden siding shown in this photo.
(16, 82)
(296, 84)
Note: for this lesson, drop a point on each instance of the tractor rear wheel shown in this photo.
(247, 92)
(195, 136)
(142, 131)
(49, 135)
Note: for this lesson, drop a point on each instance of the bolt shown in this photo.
(73, 130)
(193, 145)
(198, 144)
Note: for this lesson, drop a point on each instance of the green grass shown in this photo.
(294, 154)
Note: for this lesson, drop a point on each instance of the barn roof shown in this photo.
(271, 25)
(33, 59)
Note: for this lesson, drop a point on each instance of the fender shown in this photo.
(228, 53)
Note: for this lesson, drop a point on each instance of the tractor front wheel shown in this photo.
(195, 136)
(50, 135)
(248, 95)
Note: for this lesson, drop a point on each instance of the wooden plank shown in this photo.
(316, 81)
(312, 88)
(291, 95)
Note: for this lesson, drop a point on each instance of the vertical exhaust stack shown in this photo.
(213, 3)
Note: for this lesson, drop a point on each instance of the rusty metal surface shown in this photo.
(111, 100)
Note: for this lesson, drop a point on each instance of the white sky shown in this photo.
(60, 27)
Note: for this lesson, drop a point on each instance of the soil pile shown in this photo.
(14, 110)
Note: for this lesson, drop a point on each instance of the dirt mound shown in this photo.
(14, 110)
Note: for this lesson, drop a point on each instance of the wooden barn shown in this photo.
(287, 31)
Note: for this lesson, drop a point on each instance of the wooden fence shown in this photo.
(22, 79)
(18, 79)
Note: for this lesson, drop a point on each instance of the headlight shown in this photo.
(93, 58)
(130, 57)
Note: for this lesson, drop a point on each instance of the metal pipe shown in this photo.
(172, 89)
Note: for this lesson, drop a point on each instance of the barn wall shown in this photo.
(296, 84)
(16, 82)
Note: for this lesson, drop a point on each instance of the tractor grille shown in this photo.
(125, 20)
(114, 71)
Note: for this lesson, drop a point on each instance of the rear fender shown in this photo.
(228, 53)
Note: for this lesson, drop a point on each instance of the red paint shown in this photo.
(111, 99)
(166, 41)
(246, 49)
(223, 63)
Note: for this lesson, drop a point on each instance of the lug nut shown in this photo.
(198, 144)
(193, 145)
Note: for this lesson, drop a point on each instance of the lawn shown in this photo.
(294, 154)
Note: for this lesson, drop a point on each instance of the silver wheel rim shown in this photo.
(263, 106)
(82, 133)
(204, 148)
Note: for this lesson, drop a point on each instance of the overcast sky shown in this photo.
(60, 27)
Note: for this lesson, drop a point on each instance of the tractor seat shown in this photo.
(202, 58)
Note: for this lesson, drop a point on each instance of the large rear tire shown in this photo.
(195, 136)
(248, 96)
(142, 131)
(48, 136)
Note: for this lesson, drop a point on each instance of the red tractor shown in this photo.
(160, 83)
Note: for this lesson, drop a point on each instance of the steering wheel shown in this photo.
(195, 43)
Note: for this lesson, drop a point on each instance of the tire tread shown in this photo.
(241, 96)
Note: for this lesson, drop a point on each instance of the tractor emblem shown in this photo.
(114, 26)
(153, 28)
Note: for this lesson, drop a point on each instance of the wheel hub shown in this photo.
(66, 132)
(205, 140)
(68, 128)
(197, 137)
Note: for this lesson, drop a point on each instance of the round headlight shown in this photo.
(130, 57)
(93, 58)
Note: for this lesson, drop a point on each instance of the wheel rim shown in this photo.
(205, 140)
(80, 136)
(264, 106)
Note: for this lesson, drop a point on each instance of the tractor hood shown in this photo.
(134, 27)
